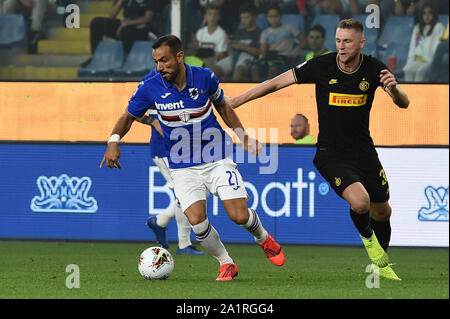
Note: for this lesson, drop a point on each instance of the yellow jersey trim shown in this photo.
(295, 76)
(359, 65)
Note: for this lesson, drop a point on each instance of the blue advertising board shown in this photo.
(58, 191)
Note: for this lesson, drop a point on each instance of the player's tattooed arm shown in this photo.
(391, 86)
(148, 120)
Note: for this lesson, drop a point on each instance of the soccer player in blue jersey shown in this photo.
(159, 151)
(183, 96)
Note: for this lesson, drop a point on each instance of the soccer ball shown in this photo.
(155, 263)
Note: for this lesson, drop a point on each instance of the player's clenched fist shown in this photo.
(112, 155)
(388, 79)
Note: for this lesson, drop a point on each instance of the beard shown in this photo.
(172, 75)
(350, 58)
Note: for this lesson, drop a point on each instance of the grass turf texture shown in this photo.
(31, 269)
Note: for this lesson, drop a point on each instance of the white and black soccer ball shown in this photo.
(155, 263)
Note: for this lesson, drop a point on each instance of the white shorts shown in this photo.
(163, 165)
(221, 178)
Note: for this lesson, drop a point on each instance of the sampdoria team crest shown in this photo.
(193, 92)
(184, 116)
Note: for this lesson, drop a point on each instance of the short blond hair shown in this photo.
(351, 24)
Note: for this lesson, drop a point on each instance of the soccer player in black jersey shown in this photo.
(346, 82)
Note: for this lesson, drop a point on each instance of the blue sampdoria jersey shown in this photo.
(159, 146)
(187, 119)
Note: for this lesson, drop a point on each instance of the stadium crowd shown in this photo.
(253, 40)
(238, 54)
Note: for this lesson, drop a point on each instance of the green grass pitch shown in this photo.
(30, 269)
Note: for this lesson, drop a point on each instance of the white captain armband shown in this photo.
(216, 94)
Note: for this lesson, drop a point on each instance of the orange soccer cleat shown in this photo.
(273, 251)
(227, 272)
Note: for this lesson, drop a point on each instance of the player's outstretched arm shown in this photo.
(391, 86)
(112, 153)
(277, 83)
(231, 119)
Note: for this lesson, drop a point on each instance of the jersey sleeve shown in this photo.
(152, 112)
(304, 72)
(215, 92)
(140, 102)
(378, 66)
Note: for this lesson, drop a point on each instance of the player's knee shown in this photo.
(382, 213)
(361, 205)
(239, 216)
(195, 220)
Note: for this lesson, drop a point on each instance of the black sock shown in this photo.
(362, 223)
(382, 231)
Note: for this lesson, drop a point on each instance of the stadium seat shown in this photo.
(443, 18)
(297, 20)
(370, 49)
(329, 22)
(371, 34)
(12, 31)
(107, 56)
(139, 61)
(400, 52)
(261, 21)
(397, 30)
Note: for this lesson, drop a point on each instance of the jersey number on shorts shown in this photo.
(230, 177)
(383, 177)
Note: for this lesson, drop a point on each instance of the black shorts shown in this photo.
(340, 173)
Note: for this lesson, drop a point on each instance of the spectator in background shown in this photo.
(277, 47)
(316, 42)
(438, 71)
(339, 7)
(300, 130)
(34, 8)
(302, 7)
(243, 48)
(136, 25)
(409, 8)
(227, 8)
(424, 41)
(263, 5)
(334, 7)
(288, 6)
(191, 50)
(212, 38)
